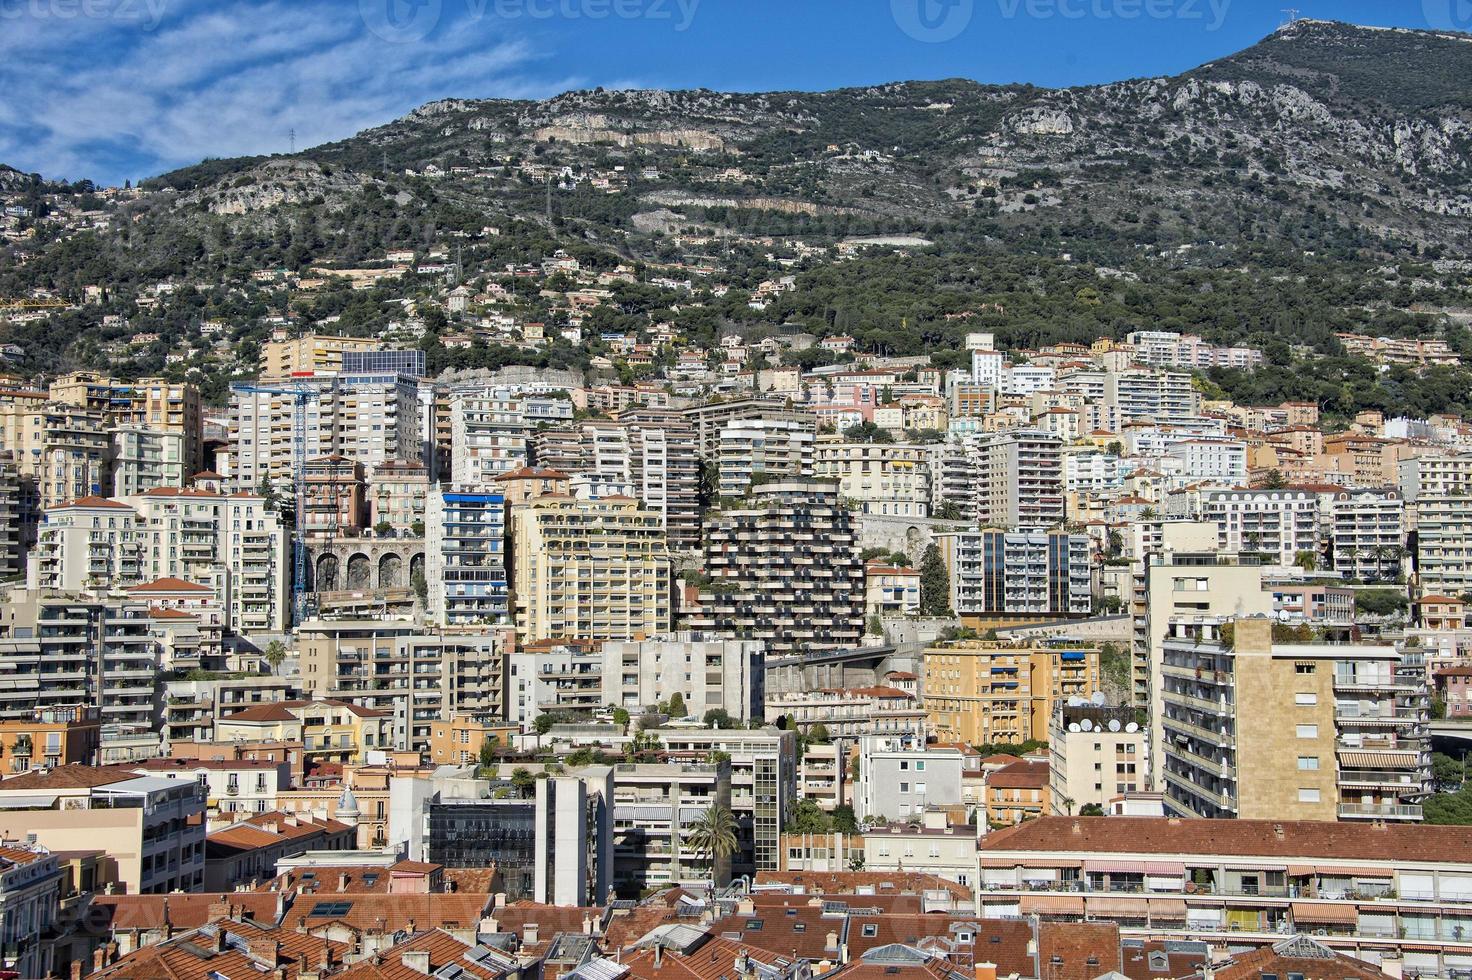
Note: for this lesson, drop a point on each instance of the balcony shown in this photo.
(1379, 811)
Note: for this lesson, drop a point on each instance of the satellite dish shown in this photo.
(1098, 698)
(1074, 701)
(1131, 727)
(1088, 726)
(1114, 724)
(1073, 726)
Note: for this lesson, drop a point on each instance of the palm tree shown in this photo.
(713, 835)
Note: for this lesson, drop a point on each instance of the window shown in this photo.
(1299, 669)
(904, 787)
(1308, 731)
(1308, 763)
(1308, 796)
(1306, 698)
(869, 931)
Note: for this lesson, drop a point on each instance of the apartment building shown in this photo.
(890, 591)
(153, 828)
(65, 449)
(1001, 575)
(822, 775)
(1142, 395)
(398, 495)
(1166, 348)
(1210, 459)
(191, 706)
(554, 677)
(849, 712)
(952, 467)
(594, 569)
(155, 405)
(653, 804)
(18, 517)
(986, 692)
(1278, 523)
(147, 458)
(763, 785)
(1018, 791)
(1251, 728)
(1443, 544)
(899, 777)
(334, 503)
(656, 462)
(711, 418)
(1388, 894)
(31, 885)
(885, 479)
(752, 452)
(1435, 475)
(465, 556)
(1019, 480)
(233, 787)
(314, 353)
(1096, 753)
(89, 543)
(489, 432)
(421, 679)
(329, 731)
(933, 847)
(785, 570)
(371, 418)
(1367, 534)
(710, 674)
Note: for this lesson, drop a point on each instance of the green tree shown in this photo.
(382, 528)
(488, 751)
(718, 718)
(935, 584)
(713, 835)
(818, 734)
(275, 653)
(1091, 810)
(621, 718)
(1306, 560)
(1275, 480)
(677, 706)
(809, 818)
(844, 820)
(420, 585)
(523, 781)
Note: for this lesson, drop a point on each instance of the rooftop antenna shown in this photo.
(293, 141)
(1292, 13)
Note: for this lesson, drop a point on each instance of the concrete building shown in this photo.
(334, 500)
(1019, 480)
(1016, 792)
(65, 449)
(889, 591)
(1140, 395)
(1251, 728)
(316, 353)
(1443, 544)
(899, 777)
(329, 731)
(654, 805)
(153, 828)
(1367, 534)
(763, 785)
(147, 458)
(31, 885)
(422, 679)
(985, 692)
(709, 673)
(884, 478)
(489, 433)
(51, 737)
(153, 404)
(398, 495)
(1002, 575)
(785, 570)
(594, 569)
(1096, 753)
(465, 556)
(752, 452)
(1394, 896)
(1280, 523)
(932, 848)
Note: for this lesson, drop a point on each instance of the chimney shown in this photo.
(267, 950)
(986, 971)
(587, 924)
(97, 959)
(500, 900)
(831, 941)
(489, 924)
(416, 960)
(529, 933)
(76, 970)
(220, 938)
(658, 955)
(342, 882)
(745, 907)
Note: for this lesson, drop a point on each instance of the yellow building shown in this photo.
(312, 352)
(979, 691)
(330, 731)
(590, 569)
(155, 404)
(457, 742)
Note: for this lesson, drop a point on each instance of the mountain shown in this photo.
(1315, 182)
(1321, 135)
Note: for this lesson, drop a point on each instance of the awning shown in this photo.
(1029, 862)
(1379, 760)
(1250, 866)
(1135, 867)
(1353, 872)
(1052, 905)
(1324, 912)
(1119, 906)
(1167, 908)
(1000, 862)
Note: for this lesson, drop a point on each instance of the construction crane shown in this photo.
(300, 393)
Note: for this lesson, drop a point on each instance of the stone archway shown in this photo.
(391, 572)
(416, 567)
(360, 573)
(326, 576)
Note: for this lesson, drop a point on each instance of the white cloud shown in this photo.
(99, 98)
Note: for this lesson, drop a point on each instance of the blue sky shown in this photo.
(114, 89)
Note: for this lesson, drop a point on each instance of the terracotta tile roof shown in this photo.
(1078, 950)
(443, 949)
(180, 492)
(708, 961)
(372, 913)
(849, 883)
(1000, 941)
(1173, 960)
(1020, 775)
(1258, 838)
(249, 950)
(93, 502)
(934, 969)
(157, 612)
(1282, 959)
(181, 911)
(69, 777)
(277, 711)
(268, 829)
(796, 930)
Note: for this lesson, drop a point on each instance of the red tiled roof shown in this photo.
(93, 502)
(1020, 775)
(69, 777)
(1078, 950)
(170, 584)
